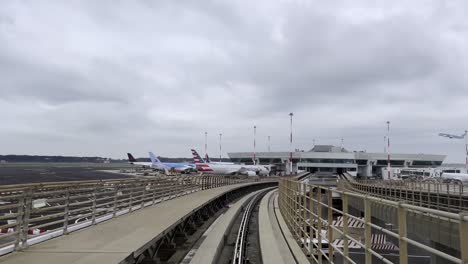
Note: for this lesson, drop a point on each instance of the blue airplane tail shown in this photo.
(153, 158)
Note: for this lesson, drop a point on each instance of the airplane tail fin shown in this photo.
(131, 158)
(196, 157)
(200, 163)
(207, 158)
(153, 158)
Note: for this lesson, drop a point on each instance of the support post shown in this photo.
(463, 227)
(311, 222)
(66, 211)
(368, 230)
(345, 229)
(403, 245)
(319, 224)
(330, 222)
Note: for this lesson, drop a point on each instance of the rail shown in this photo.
(450, 197)
(239, 248)
(309, 211)
(32, 213)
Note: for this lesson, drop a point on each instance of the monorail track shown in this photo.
(246, 243)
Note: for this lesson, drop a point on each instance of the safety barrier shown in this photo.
(309, 213)
(31, 213)
(450, 197)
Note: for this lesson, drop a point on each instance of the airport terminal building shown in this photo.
(331, 159)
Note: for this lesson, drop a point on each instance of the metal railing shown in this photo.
(31, 213)
(450, 197)
(309, 213)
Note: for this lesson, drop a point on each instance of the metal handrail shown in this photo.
(301, 205)
(32, 210)
(441, 196)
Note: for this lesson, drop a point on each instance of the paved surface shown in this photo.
(20, 173)
(274, 248)
(210, 248)
(114, 240)
(276, 241)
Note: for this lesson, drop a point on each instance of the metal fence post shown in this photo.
(368, 230)
(93, 217)
(345, 228)
(130, 200)
(67, 209)
(19, 221)
(304, 214)
(24, 228)
(143, 196)
(319, 224)
(463, 227)
(330, 222)
(116, 194)
(311, 222)
(296, 210)
(403, 245)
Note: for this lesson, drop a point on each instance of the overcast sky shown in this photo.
(108, 77)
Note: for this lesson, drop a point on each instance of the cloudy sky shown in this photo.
(107, 77)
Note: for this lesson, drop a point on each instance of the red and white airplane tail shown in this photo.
(201, 165)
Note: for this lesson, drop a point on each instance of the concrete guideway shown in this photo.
(209, 250)
(276, 241)
(117, 239)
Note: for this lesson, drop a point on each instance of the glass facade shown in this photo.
(347, 161)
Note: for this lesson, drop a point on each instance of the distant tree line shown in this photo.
(36, 158)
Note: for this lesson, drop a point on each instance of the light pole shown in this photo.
(388, 149)
(385, 144)
(290, 146)
(255, 150)
(206, 143)
(269, 144)
(220, 135)
(466, 150)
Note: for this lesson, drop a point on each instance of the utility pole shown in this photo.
(255, 149)
(466, 150)
(206, 143)
(388, 149)
(269, 144)
(290, 146)
(220, 135)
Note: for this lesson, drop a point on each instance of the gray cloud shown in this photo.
(104, 78)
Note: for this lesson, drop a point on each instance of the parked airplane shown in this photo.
(453, 136)
(208, 160)
(457, 177)
(156, 164)
(211, 168)
(258, 169)
(179, 167)
(133, 161)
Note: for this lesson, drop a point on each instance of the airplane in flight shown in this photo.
(451, 136)
(212, 168)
